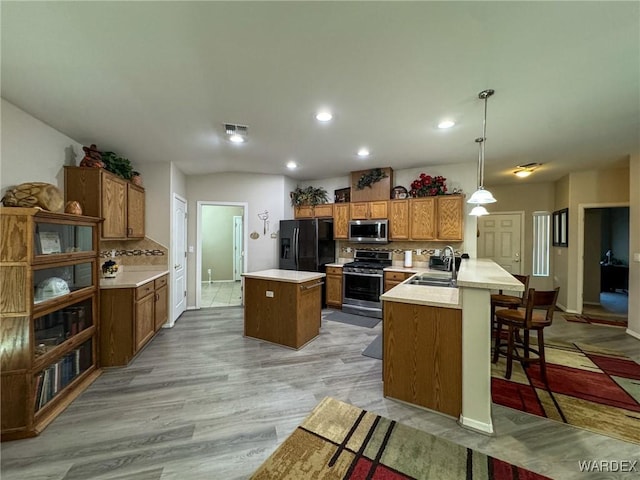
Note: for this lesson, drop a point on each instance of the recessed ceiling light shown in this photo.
(292, 165)
(324, 116)
(446, 124)
(526, 170)
(236, 138)
(363, 152)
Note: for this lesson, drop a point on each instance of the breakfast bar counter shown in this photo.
(283, 306)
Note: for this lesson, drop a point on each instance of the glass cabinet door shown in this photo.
(53, 282)
(54, 328)
(52, 238)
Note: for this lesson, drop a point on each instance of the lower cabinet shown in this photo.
(334, 287)
(131, 317)
(391, 279)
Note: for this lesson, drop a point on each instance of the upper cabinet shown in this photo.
(324, 210)
(422, 218)
(427, 218)
(369, 210)
(341, 221)
(450, 215)
(399, 220)
(103, 194)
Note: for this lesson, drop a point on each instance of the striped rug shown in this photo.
(343, 442)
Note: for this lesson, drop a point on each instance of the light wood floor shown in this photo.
(202, 402)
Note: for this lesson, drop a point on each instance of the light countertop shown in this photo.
(486, 274)
(132, 278)
(290, 276)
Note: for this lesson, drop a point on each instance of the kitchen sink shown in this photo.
(432, 281)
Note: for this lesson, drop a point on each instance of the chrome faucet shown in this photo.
(451, 261)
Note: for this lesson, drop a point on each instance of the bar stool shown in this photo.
(509, 301)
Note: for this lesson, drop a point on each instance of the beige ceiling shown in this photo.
(155, 81)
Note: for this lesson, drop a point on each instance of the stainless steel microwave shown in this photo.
(369, 231)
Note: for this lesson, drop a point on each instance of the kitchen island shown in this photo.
(283, 306)
(448, 330)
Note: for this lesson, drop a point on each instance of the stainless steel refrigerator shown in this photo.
(306, 245)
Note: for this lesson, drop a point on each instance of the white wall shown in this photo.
(158, 198)
(32, 151)
(634, 245)
(260, 192)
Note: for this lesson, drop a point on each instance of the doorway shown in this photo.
(605, 260)
(500, 239)
(221, 255)
(179, 257)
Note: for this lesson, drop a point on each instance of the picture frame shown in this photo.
(342, 195)
(49, 243)
(561, 228)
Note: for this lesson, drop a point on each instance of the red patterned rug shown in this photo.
(589, 387)
(341, 441)
(612, 321)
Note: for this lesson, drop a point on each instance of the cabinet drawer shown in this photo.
(334, 271)
(399, 276)
(144, 290)
(160, 282)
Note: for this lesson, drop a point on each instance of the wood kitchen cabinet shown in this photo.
(427, 218)
(450, 217)
(341, 220)
(391, 279)
(422, 218)
(130, 318)
(422, 356)
(324, 210)
(334, 287)
(48, 315)
(103, 194)
(369, 210)
(399, 220)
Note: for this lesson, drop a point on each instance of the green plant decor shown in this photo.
(118, 165)
(371, 177)
(308, 196)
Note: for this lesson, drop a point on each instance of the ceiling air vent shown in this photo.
(236, 133)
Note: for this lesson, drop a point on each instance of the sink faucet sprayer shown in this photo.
(450, 260)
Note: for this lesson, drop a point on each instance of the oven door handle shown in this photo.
(363, 274)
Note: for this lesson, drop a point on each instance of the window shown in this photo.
(541, 226)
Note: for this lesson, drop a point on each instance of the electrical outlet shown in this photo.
(190, 248)
(269, 293)
(636, 257)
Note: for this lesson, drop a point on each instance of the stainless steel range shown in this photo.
(363, 283)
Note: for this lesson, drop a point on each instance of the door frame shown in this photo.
(238, 251)
(245, 240)
(580, 244)
(521, 213)
(172, 260)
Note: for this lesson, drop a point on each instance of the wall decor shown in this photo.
(369, 178)
(561, 228)
(342, 195)
(399, 192)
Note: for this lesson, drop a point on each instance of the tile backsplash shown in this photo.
(426, 249)
(142, 252)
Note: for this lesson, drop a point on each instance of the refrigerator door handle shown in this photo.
(296, 236)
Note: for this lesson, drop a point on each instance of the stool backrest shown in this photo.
(524, 279)
(541, 300)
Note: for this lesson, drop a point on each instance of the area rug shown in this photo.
(357, 320)
(374, 350)
(588, 387)
(612, 321)
(341, 441)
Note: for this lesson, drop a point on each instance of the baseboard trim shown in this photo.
(633, 334)
(476, 426)
(565, 309)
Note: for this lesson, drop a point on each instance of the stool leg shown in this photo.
(543, 363)
(526, 343)
(496, 343)
(510, 352)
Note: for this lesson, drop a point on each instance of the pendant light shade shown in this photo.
(478, 211)
(482, 196)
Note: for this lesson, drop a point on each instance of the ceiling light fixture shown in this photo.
(482, 196)
(446, 124)
(526, 170)
(236, 133)
(324, 116)
(479, 210)
(363, 152)
(291, 165)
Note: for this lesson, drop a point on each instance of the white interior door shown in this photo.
(238, 253)
(500, 240)
(179, 297)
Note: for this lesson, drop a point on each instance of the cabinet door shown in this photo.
(422, 218)
(304, 211)
(378, 209)
(161, 307)
(341, 221)
(334, 287)
(144, 321)
(359, 210)
(323, 211)
(450, 217)
(399, 220)
(135, 211)
(114, 207)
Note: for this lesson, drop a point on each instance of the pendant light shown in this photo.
(479, 210)
(481, 195)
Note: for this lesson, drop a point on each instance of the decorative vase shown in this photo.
(73, 207)
(136, 180)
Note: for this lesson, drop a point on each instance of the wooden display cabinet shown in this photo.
(49, 315)
(103, 194)
(130, 318)
(334, 287)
